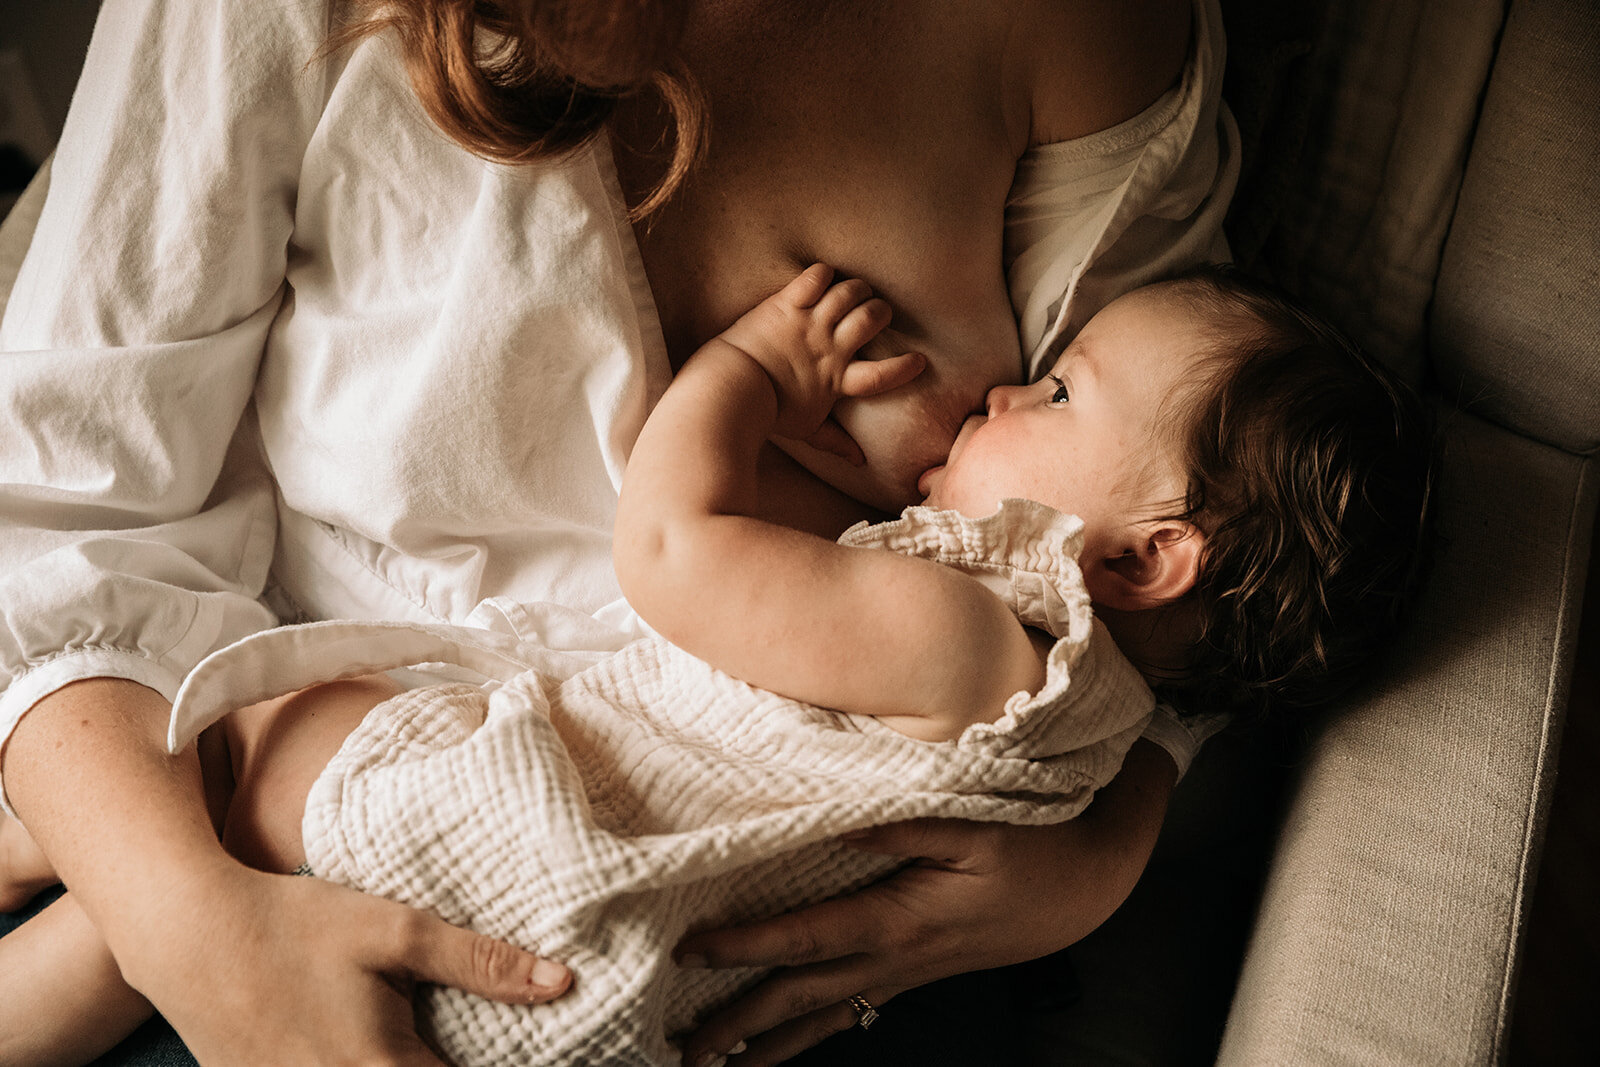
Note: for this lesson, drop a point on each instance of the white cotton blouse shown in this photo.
(280, 350)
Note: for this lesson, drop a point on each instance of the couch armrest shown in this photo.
(1392, 914)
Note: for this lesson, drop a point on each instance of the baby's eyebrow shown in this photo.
(1072, 357)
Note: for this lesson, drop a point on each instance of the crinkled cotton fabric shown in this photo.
(268, 358)
(597, 816)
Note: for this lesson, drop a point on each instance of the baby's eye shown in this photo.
(1060, 396)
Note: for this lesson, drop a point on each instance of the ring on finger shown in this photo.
(866, 1014)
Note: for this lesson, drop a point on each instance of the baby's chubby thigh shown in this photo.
(259, 764)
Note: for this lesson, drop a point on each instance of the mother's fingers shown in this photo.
(785, 1015)
(415, 945)
(795, 1036)
(833, 929)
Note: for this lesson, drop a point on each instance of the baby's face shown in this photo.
(1082, 439)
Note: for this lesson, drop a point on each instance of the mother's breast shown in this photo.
(904, 432)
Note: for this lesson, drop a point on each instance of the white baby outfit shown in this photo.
(598, 818)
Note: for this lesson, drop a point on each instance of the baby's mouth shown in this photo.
(971, 424)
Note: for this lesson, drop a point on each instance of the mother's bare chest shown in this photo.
(891, 163)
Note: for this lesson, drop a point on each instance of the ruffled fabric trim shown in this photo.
(1026, 553)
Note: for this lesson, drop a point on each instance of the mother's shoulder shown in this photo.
(1090, 64)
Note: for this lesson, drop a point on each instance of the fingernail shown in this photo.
(740, 1047)
(549, 975)
(692, 961)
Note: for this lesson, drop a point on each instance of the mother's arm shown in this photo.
(953, 910)
(249, 967)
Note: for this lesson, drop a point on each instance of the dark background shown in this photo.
(41, 52)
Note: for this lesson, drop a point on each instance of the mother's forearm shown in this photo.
(1120, 828)
(88, 773)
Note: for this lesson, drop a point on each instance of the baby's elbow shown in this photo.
(637, 556)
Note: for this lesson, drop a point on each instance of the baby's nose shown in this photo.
(1000, 398)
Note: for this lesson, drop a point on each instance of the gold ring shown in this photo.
(866, 1014)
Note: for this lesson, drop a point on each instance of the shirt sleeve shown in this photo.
(136, 515)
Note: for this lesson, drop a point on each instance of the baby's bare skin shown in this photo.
(832, 140)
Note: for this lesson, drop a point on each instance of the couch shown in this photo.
(1355, 889)
(1428, 173)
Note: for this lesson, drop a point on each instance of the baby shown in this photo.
(1241, 496)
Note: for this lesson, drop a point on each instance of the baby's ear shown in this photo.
(1152, 564)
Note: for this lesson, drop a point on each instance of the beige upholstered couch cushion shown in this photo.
(1516, 326)
(1390, 923)
(1389, 927)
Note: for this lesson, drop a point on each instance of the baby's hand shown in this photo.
(806, 337)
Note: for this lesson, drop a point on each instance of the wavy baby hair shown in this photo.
(1310, 467)
(523, 81)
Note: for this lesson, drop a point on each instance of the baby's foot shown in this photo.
(24, 870)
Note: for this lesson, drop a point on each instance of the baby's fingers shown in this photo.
(865, 318)
(834, 439)
(870, 377)
(808, 286)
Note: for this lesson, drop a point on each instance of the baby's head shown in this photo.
(1255, 491)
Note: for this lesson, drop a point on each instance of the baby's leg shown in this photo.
(62, 998)
(276, 749)
(24, 871)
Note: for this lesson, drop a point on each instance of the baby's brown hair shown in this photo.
(1310, 467)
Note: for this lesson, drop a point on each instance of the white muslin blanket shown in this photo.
(598, 816)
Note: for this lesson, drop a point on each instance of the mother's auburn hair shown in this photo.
(523, 81)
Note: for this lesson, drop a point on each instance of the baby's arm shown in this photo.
(865, 631)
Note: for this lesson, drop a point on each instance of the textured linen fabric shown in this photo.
(1359, 210)
(1517, 317)
(1389, 926)
(16, 229)
(446, 360)
(597, 818)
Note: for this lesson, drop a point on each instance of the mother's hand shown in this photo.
(278, 969)
(977, 896)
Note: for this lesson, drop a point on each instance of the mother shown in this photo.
(370, 335)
